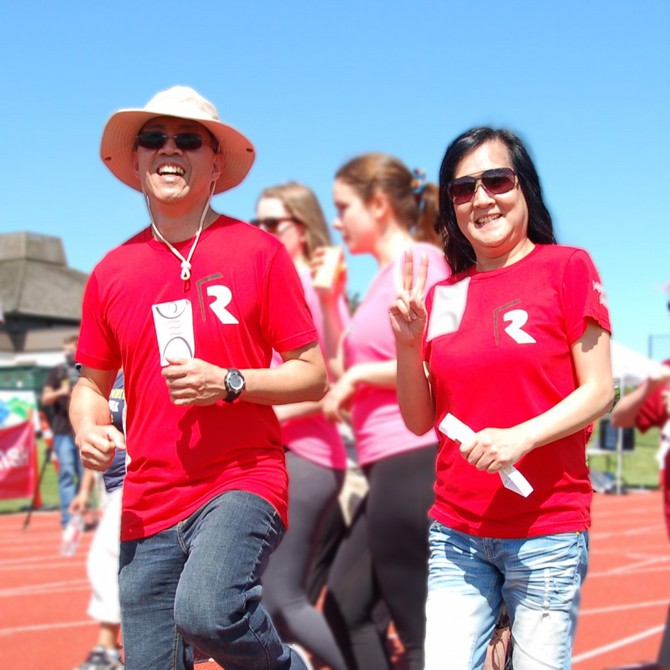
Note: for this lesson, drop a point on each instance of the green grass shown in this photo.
(640, 469)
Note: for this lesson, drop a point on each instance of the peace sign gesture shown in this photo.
(408, 311)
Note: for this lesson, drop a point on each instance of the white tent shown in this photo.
(629, 366)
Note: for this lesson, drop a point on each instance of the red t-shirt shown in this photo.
(246, 300)
(652, 412)
(498, 347)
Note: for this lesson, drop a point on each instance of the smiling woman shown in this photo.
(526, 315)
(479, 150)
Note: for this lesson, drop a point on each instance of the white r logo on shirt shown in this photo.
(222, 296)
(517, 319)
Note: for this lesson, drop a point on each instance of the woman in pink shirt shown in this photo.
(315, 459)
(383, 209)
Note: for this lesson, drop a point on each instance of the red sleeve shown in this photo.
(286, 317)
(96, 347)
(583, 295)
(652, 413)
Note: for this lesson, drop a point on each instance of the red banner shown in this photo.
(18, 461)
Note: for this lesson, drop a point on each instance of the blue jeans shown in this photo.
(538, 578)
(199, 583)
(69, 473)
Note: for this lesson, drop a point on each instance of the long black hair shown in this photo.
(457, 249)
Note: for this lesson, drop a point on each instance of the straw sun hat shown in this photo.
(120, 133)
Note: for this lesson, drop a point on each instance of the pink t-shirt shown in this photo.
(378, 426)
(246, 299)
(313, 437)
(499, 351)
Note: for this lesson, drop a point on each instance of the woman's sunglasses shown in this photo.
(271, 223)
(154, 139)
(496, 182)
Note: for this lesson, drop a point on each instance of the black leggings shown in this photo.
(313, 492)
(384, 559)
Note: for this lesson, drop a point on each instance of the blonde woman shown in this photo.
(315, 458)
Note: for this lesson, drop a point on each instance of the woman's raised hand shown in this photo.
(408, 311)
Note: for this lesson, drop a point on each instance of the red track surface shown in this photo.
(44, 596)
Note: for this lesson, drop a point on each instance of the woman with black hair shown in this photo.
(510, 359)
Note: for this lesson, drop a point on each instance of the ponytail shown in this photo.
(413, 199)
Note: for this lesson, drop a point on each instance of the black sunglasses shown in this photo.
(496, 182)
(154, 139)
(271, 223)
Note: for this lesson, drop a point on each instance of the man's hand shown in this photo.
(98, 444)
(194, 382)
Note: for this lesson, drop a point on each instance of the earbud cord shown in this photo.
(185, 262)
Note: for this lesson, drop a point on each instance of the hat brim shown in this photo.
(120, 133)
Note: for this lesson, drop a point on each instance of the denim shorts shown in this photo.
(538, 578)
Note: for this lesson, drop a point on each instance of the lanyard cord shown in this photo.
(185, 262)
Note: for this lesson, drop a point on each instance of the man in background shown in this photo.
(56, 398)
(646, 407)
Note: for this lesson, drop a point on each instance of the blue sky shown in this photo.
(312, 84)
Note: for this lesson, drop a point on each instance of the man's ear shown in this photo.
(217, 166)
(136, 166)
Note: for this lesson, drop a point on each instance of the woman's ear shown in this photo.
(379, 206)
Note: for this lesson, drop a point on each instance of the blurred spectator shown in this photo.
(103, 555)
(646, 407)
(56, 397)
(316, 459)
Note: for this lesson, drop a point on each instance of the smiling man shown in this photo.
(192, 308)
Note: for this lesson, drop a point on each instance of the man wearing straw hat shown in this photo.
(192, 308)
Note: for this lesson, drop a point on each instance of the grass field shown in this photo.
(640, 470)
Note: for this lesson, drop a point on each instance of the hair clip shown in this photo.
(418, 183)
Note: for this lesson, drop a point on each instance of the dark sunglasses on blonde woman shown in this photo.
(496, 182)
(271, 223)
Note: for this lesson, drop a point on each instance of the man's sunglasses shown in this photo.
(496, 182)
(271, 223)
(154, 139)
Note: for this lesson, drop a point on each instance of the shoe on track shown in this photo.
(100, 659)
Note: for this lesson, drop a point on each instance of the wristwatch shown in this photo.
(234, 383)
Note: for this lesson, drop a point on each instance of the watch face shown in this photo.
(235, 381)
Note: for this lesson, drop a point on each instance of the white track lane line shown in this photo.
(616, 645)
(47, 626)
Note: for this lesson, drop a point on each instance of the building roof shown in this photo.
(37, 288)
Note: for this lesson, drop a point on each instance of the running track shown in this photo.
(43, 596)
